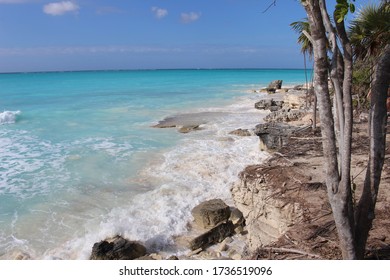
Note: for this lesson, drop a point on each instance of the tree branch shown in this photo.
(269, 7)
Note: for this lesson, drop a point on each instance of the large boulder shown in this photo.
(117, 248)
(210, 213)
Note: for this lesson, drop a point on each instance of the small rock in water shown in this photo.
(241, 132)
(117, 248)
(189, 128)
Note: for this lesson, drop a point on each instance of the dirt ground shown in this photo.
(315, 237)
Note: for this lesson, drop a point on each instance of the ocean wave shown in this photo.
(8, 117)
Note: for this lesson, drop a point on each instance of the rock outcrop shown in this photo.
(117, 248)
(266, 206)
(285, 115)
(277, 84)
(273, 135)
(269, 104)
(295, 99)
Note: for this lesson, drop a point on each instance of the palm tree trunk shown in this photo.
(377, 131)
(339, 192)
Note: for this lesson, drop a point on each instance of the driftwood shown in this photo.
(289, 250)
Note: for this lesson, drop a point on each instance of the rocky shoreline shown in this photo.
(280, 207)
(218, 230)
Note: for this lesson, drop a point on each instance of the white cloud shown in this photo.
(190, 17)
(60, 8)
(159, 12)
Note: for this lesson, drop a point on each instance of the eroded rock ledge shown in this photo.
(262, 194)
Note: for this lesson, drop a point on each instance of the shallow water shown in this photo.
(81, 162)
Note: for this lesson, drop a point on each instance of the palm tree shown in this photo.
(370, 31)
(303, 29)
(369, 34)
(370, 38)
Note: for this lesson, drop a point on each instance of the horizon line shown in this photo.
(150, 69)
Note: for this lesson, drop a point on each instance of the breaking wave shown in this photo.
(8, 117)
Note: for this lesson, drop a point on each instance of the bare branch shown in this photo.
(269, 7)
(295, 251)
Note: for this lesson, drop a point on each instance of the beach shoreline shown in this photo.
(218, 154)
(192, 122)
(75, 178)
(284, 233)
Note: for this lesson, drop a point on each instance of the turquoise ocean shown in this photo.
(80, 160)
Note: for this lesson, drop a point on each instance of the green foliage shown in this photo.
(306, 45)
(361, 80)
(342, 9)
(370, 31)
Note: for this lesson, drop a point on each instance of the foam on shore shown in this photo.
(202, 166)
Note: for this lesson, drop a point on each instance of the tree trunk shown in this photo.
(377, 132)
(339, 191)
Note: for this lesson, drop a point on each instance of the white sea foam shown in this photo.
(202, 166)
(28, 164)
(8, 117)
(75, 185)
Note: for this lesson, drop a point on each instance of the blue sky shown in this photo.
(58, 35)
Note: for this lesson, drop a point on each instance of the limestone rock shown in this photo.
(295, 99)
(241, 132)
(277, 84)
(117, 248)
(263, 104)
(269, 104)
(21, 256)
(285, 115)
(270, 90)
(189, 128)
(214, 235)
(210, 213)
(298, 87)
(237, 217)
(273, 135)
(268, 214)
